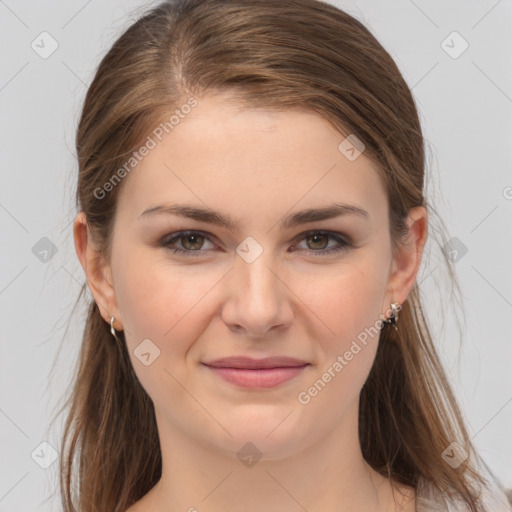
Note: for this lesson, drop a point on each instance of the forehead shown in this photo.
(251, 160)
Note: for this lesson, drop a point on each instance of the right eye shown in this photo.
(190, 241)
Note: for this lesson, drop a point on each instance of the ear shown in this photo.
(406, 262)
(97, 271)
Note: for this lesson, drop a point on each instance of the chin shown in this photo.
(265, 436)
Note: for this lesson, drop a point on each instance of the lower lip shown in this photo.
(261, 378)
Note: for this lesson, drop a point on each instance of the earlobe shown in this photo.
(97, 270)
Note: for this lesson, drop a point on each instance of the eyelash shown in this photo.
(344, 243)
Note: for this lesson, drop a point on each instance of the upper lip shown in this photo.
(250, 363)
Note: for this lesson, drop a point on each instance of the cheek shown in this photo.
(350, 308)
(346, 300)
(169, 306)
(347, 306)
(157, 300)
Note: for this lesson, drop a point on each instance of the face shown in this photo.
(269, 284)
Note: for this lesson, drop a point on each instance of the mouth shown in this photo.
(246, 372)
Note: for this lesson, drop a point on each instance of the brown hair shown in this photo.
(286, 54)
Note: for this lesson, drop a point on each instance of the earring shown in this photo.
(112, 330)
(395, 308)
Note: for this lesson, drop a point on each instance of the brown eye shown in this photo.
(187, 243)
(192, 242)
(317, 241)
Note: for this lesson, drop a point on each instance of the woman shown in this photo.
(251, 225)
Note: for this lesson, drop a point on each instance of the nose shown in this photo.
(258, 298)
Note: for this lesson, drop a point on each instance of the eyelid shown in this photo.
(345, 238)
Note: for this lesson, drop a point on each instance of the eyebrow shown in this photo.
(289, 221)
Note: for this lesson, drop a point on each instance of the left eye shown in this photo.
(192, 242)
(321, 238)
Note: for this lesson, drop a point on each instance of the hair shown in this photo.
(293, 54)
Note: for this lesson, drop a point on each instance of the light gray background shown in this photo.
(466, 110)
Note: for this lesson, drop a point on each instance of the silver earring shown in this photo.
(112, 330)
(393, 319)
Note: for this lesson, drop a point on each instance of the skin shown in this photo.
(256, 166)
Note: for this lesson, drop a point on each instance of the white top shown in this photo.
(430, 499)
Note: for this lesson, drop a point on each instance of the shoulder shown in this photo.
(429, 498)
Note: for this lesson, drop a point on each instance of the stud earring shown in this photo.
(393, 319)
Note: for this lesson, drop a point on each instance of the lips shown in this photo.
(248, 363)
(248, 373)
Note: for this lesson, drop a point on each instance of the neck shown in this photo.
(330, 474)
